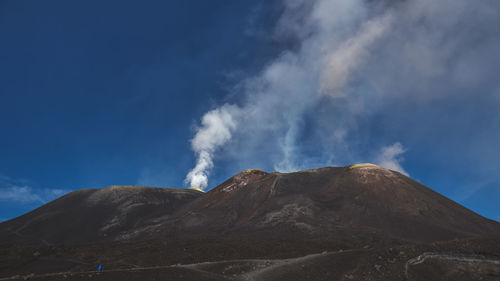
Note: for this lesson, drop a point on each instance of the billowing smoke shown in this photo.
(350, 55)
(216, 130)
(358, 62)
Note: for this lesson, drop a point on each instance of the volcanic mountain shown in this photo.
(337, 221)
(91, 215)
(328, 200)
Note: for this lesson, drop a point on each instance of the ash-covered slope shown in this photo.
(331, 201)
(90, 215)
(359, 222)
(359, 203)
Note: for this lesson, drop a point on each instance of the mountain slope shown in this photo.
(89, 215)
(365, 198)
(359, 202)
(359, 222)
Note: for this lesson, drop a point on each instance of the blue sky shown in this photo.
(96, 93)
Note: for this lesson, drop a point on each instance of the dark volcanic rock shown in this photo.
(333, 201)
(328, 201)
(91, 215)
(360, 222)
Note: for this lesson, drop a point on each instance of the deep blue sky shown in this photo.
(97, 93)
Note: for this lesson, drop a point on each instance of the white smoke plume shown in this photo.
(356, 60)
(390, 157)
(350, 55)
(216, 129)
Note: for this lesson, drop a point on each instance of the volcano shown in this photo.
(359, 222)
(323, 201)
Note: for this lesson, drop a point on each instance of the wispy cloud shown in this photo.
(467, 191)
(19, 194)
(20, 191)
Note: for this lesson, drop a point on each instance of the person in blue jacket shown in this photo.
(99, 268)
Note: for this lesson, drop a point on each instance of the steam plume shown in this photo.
(356, 60)
(389, 157)
(216, 130)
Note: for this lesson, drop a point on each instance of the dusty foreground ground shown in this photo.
(246, 259)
